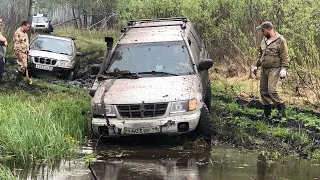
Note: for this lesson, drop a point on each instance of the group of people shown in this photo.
(20, 48)
(273, 59)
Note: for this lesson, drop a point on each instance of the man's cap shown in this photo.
(265, 25)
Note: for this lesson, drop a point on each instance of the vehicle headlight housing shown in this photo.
(65, 63)
(183, 106)
(31, 58)
(110, 111)
(100, 110)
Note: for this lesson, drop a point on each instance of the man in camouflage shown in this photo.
(274, 60)
(21, 49)
(3, 48)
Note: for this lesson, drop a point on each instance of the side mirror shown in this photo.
(205, 64)
(109, 41)
(95, 68)
(79, 54)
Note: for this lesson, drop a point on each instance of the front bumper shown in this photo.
(32, 66)
(40, 29)
(169, 125)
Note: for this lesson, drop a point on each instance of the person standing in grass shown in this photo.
(3, 49)
(274, 61)
(21, 49)
(50, 28)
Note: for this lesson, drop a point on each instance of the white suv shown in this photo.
(154, 81)
(40, 24)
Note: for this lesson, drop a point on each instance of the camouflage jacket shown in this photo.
(275, 54)
(21, 41)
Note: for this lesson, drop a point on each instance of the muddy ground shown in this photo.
(254, 139)
(84, 78)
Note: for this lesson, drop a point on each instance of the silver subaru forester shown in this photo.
(153, 81)
(56, 54)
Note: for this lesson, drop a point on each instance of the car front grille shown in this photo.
(40, 25)
(142, 110)
(45, 61)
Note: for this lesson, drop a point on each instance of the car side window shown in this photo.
(194, 48)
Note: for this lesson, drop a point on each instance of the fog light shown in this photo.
(183, 127)
(103, 130)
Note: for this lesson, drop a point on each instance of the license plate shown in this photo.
(143, 130)
(44, 67)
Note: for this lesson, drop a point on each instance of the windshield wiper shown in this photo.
(158, 72)
(64, 53)
(45, 50)
(119, 75)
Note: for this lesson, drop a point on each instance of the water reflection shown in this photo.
(163, 163)
(152, 163)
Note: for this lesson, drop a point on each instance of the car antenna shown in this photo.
(92, 172)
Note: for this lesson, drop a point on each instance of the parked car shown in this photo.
(40, 23)
(154, 81)
(54, 54)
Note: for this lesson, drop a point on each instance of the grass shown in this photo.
(6, 174)
(45, 124)
(243, 131)
(316, 155)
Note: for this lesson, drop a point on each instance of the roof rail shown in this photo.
(54, 35)
(183, 19)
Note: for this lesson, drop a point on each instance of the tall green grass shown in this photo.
(6, 174)
(42, 125)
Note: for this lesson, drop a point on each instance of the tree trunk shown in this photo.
(79, 16)
(85, 20)
(75, 18)
(32, 4)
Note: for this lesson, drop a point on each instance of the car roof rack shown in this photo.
(70, 37)
(183, 19)
(134, 22)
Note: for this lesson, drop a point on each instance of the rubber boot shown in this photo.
(281, 111)
(266, 112)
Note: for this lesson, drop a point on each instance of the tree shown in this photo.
(32, 5)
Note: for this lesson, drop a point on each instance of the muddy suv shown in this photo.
(153, 81)
(54, 54)
(40, 23)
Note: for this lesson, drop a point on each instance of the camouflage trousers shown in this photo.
(22, 61)
(268, 86)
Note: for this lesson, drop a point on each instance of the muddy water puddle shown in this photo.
(114, 162)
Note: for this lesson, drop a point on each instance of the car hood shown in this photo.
(148, 90)
(50, 55)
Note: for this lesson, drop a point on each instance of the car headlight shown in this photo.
(100, 110)
(65, 63)
(31, 58)
(110, 112)
(183, 106)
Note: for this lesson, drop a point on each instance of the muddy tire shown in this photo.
(208, 96)
(205, 126)
(70, 75)
(91, 134)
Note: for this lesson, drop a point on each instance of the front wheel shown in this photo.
(205, 126)
(70, 75)
(208, 96)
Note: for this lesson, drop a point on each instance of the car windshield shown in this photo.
(52, 45)
(39, 20)
(165, 57)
